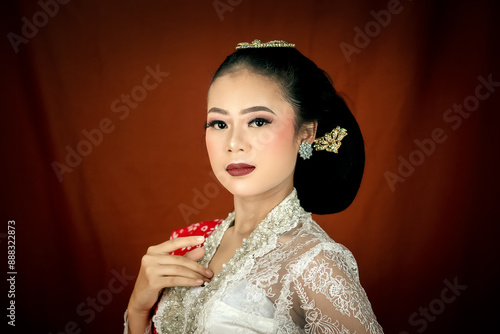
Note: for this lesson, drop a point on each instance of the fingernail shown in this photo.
(200, 239)
(209, 273)
(200, 281)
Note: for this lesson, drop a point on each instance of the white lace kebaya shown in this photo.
(287, 277)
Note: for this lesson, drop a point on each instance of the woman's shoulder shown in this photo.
(314, 246)
(203, 228)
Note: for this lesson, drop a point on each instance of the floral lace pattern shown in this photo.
(287, 277)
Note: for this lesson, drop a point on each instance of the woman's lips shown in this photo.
(239, 169)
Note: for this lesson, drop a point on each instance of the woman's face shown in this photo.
(250, 135)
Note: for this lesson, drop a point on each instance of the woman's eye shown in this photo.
(219, 125)
(259, 122)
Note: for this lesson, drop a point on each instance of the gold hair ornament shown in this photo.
(330, 141)
(257, 44)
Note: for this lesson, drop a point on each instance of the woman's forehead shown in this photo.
(243, 87)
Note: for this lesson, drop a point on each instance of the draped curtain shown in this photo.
(103, 148)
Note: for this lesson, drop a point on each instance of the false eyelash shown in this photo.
(212, 123)
(265, 120)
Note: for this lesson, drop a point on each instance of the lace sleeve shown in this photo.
(331, 299)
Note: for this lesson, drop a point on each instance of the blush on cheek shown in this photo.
(283, 136)
(215, 157)
(212, 150)
(211, 144)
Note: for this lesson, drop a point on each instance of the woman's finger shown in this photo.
(177, 270)
(154, 262)
(195, 254)
(175, 244)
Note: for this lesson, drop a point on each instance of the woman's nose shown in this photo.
(237, 142)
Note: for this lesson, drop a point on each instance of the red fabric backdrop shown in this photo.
(103, 147)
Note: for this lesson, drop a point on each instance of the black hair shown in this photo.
(327, 182)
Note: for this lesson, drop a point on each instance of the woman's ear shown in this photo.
(308, 132)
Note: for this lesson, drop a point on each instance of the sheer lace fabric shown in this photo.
(288, 277)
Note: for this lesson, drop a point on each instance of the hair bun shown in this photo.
(328, 182)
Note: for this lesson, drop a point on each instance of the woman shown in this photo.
(268, 267)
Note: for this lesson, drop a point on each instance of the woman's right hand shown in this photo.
(158, 270)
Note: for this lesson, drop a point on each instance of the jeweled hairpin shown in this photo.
(257, 44)
(330, 141)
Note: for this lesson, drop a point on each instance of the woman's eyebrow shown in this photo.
(244, 111)
(217, 110)
(256, 108)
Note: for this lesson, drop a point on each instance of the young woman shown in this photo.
(268, 267)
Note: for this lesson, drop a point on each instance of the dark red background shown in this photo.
(411, 239)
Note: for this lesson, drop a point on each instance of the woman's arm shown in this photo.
(331, 299)
(137, 323)
(158, 270)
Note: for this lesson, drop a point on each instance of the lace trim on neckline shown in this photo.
(172, 315)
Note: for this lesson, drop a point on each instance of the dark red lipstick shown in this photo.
(239, 169)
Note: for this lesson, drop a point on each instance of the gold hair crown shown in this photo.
(330, 141)
(257, 44)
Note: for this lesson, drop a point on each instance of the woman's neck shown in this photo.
(250, 211)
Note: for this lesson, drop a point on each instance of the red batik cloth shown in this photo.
(205, 229)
